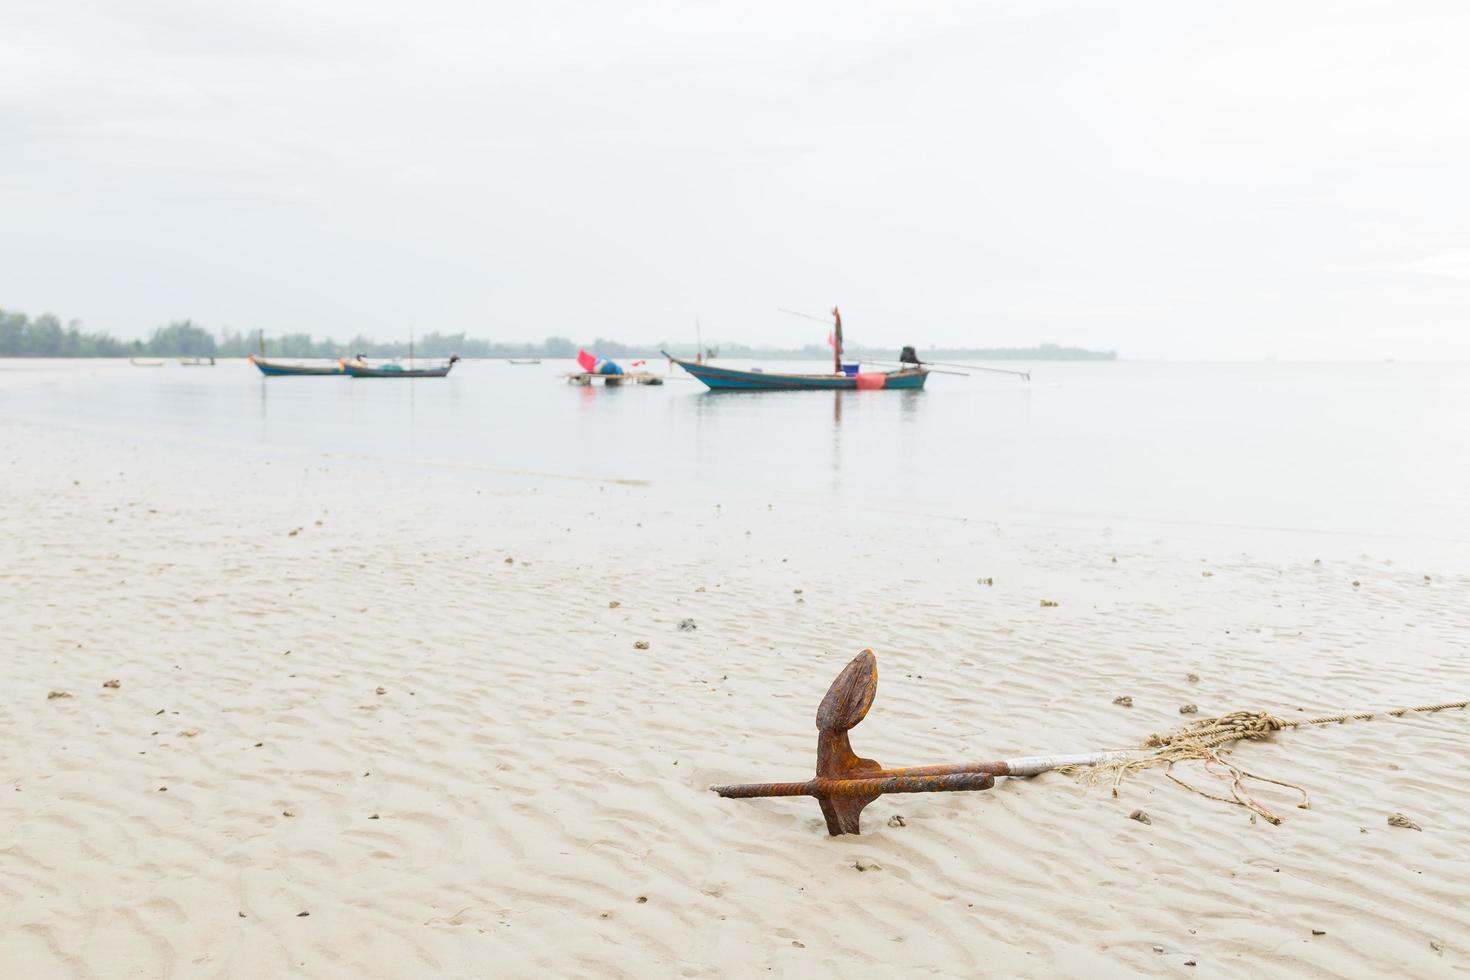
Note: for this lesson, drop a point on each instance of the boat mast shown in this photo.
(836, 342)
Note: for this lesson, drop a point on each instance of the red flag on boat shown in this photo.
(586, 360)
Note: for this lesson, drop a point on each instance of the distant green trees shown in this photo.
(429, 345)
(47, 336)
(182, 338)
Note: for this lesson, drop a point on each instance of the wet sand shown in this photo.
(378, 721)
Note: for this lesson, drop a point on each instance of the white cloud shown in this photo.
(1451, 265)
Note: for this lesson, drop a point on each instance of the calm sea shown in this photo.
(1364, 450)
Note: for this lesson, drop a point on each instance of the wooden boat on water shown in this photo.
(523, 360)
(358, 367)
(196, 362)
(272, 369)
(146, 361)
(910, 375)
(730, 379)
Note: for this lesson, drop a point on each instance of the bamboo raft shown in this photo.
(585, 378)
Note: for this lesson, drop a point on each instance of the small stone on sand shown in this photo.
(1399, 820)
(114, 684)
(57, 694)
(896, 821)
(865, 865)
(640, 644)
(614, 604)
(1049, 604)
(382, 690)
(1140, 816)
(1192, 678)
(1123, 701)
(687, 626)
(1319, 932)
(1188, 709)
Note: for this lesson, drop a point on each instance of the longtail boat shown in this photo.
(273, 369)
(730, 379)
(358, 367)
(910, 375)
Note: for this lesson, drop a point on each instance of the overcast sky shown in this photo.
(1171, 179)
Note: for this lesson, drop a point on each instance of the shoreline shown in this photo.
(1445, 555)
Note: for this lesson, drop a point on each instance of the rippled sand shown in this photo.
(379, 722)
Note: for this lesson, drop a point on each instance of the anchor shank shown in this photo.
(847, 788)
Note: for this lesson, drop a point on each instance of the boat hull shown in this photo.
(275, 369)
(730, 379)
(359, 371)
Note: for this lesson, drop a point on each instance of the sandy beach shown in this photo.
(371, 721)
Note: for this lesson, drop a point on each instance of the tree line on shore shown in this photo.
(47, 336)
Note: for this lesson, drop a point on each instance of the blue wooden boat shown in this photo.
(272, 369)
(852, 379)
(730, 379)
(360, 368)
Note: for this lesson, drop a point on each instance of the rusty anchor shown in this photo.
(846, 783)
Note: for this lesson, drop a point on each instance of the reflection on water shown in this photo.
(1369, 448)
